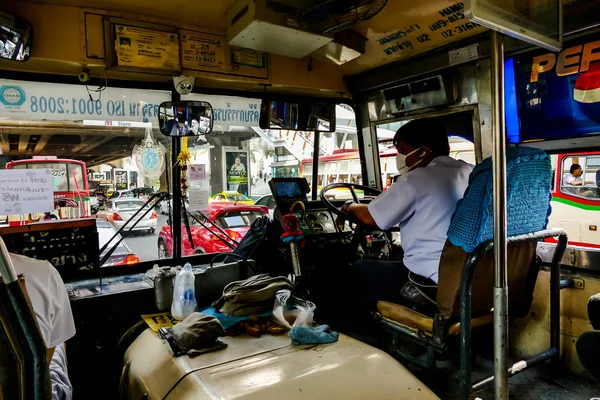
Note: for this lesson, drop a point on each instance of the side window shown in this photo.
(262, 201)
(578, 176)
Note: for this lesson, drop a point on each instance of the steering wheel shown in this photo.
(352, 187)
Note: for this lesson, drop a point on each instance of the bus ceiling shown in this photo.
(312, 57)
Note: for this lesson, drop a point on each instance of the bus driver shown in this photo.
(421, 201)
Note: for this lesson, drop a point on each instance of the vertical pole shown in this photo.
(500, 229)
(315, 173)
(177, 208)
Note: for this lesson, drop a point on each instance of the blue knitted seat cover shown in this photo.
(529, 181)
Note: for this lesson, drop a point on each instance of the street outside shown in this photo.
(145, 246)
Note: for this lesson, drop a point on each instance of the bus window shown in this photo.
(332, 176)
(579, 175)
(460, 149)
(355, 172)
(343, 171)
(308, 167)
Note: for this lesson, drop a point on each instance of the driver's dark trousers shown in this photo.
(377, 280)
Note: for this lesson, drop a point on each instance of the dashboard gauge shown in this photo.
(311, 218)
(323, 217)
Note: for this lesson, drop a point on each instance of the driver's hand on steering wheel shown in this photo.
(340, 221)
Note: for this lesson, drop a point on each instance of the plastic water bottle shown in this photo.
(184, 293)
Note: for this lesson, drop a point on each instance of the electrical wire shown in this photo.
(99, 90)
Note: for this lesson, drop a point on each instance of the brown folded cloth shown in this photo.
(198, 334)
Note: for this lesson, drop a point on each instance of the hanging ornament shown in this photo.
(149, 157)
(183, 160)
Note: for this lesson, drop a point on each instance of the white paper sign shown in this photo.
(464, 54)
(198, 199)
(25, 191)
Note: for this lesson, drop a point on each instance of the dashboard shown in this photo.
(320, 221)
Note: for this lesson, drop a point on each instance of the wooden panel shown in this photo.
(94, 43)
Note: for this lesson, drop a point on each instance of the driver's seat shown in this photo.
(464, 297)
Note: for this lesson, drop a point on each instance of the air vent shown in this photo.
(424, 93)
(271, 26)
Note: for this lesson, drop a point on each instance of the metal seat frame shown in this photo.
(436, 342)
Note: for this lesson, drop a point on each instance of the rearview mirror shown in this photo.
(16, 34)
(185, 118)
(297, 116)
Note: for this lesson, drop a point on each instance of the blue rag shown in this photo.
(312, 335)
(227, 321)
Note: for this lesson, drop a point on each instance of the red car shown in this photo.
(235, 220)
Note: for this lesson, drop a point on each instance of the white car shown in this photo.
(267, 201)
(123, 255)
(118, 211)
(163, 205)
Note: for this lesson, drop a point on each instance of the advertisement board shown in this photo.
(25, 100)
(121, 179)
(236, 170)
(554, 96)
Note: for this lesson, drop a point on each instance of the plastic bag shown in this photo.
(290, 311)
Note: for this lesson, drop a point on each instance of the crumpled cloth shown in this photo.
(305, 334)
(227, 321)
(61, 385)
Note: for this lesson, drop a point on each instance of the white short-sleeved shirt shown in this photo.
(49, 299)
(422, 202)
(569, 179)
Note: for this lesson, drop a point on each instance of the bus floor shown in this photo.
(533, 383)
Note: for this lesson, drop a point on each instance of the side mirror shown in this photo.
(299, 116)
(185, 118)
(16, 35)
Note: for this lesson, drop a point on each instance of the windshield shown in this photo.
(238, 219)
(237, 197)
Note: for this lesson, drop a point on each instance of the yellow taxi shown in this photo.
(232, 196)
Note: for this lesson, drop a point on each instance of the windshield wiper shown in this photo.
(128, 231)
(218, 229)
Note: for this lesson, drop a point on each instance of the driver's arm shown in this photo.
(395, 205)
(360, 212)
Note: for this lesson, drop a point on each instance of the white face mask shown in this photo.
(401, 162)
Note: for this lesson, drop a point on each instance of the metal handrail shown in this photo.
(26, 340)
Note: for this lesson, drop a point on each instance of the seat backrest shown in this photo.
(522, 273)
(529, 181)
